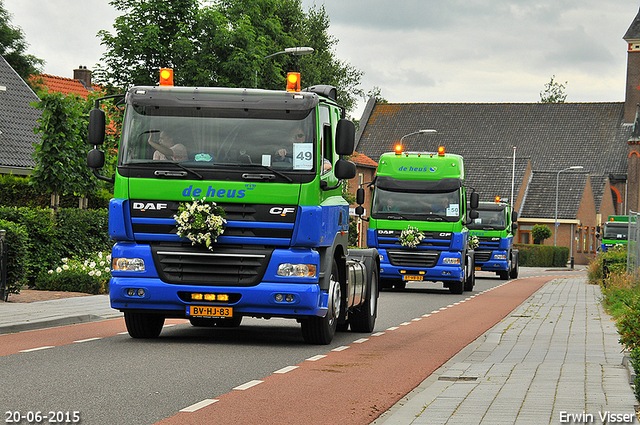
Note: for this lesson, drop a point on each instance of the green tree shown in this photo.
(13, 47)
(61, 154)
(540, 232)
(376, 93)
(553, 92)
(224, 44)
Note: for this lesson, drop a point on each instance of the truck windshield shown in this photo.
(489, 220)
(201, 137)
(615, 231)
(425, 206)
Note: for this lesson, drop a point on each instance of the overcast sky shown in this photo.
(413, 50)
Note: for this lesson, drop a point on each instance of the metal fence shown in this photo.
(633, 247)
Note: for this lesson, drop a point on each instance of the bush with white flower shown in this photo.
(201, 222)
(411, 237)
(474, 242)
(89, 274)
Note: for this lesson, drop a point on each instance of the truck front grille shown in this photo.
(225, 265)
(482, 255)
(413, 258)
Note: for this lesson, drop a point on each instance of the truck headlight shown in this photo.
(500, 256)
(127, 264)
(450, 260)
(297, 270)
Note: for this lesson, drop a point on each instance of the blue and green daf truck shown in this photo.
(615, 231)
(494, 229)
(418, 220)
(272, 163)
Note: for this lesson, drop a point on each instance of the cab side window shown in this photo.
(326, 141)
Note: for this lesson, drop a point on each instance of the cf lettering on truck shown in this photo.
(418, 220)
(262, 173)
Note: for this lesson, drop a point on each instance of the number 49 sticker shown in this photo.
(303, 156)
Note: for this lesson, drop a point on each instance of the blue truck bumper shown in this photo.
(307, 299)
(497, 262)
(439, 272)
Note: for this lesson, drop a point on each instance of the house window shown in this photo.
(579, 239)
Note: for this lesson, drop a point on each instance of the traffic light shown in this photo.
(293, 81)
(166, 76)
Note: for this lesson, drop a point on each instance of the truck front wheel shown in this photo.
(363, 318)
(320, 330)
(514, 266)
(143, 325)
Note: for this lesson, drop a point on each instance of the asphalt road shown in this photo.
(108, 377)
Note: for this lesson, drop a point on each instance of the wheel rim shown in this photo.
(374, 292)
(336, 300)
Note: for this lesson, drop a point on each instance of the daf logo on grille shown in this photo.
(385, 232)
(152, 206)
(282, 211)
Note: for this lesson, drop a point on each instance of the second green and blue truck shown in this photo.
(418, 220)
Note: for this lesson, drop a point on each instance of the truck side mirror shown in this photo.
(97, 122)
(514, 216)
(360, 196)
(474, 200)
(473, 214)
(95, 159)
(345, 137)
(344, 169)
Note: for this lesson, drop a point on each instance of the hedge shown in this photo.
(17, 242)
(71, 232)
(16, 191)
(542, 255)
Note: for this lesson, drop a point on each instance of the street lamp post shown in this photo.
(555, 222)
(294, 51)
(424, 131)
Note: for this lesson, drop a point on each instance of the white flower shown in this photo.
(50, 271)
(58, 270)
(98, 273)
(65, 267)
(92, 264)
(91, 273)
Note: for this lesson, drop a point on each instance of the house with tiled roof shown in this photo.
(18, 118)
(529, 154)
(17, 121)
(365, 171)
(80, 84)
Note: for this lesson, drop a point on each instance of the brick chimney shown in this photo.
(632, 96)
(83, 75)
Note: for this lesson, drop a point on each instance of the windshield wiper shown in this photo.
(434, 218)
(173, 173)
(262, 176)
(167, 173)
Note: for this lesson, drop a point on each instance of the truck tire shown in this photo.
(320, 330)
(504, 274)
(143, 325)
(363, 318)
(514, 266)
(458, 287)
(470, 282)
